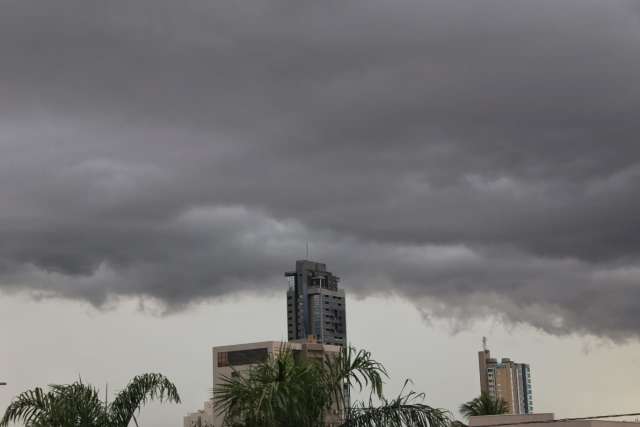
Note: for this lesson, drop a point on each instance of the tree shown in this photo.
(278, 392)
(485, 404)
(79, 404)
(405, 410)
(287, 390)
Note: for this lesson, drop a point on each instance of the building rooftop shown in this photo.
(543, 420)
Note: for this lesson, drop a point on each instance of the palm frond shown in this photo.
(405, 410)
(352, 368)
(290, 391)
(137, 393)
(30, 407)
(485, 404)
(282, 391)
(70, 405)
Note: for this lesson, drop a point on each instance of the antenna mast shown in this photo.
(484, 343)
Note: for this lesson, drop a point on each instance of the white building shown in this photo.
(541, 420)
(202, 418)
(239, 358)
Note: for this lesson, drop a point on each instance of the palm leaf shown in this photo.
(137, 393)
(485, 404)
(352, 369)
(79, 405)
(405, 410)
(70, 405)
(30, 407)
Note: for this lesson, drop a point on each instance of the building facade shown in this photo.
(202, 418)
(506, 380)
(315, 306)
(235, 359)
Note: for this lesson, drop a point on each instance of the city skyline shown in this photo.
(466, 168)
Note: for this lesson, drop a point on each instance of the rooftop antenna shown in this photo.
(307, 249)
(484, 343)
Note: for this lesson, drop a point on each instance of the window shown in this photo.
(242, 357)
(223, 359)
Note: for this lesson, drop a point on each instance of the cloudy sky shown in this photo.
(476, 162)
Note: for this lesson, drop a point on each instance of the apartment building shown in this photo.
(507, 380)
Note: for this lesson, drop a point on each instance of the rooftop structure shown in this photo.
(542, 420)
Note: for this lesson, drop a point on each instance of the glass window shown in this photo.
(242, 357)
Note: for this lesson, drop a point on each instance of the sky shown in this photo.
(473, 163)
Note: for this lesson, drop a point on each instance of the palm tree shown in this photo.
(286, 390)
(405, 410)
(485, 404)
(278, 392)
(79, 404)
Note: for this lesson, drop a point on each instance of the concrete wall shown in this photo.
(488, 420)
(309, 349)
(201, 418)
(542, 420)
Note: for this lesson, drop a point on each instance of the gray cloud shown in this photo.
(474, 157)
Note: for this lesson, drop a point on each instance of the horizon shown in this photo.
(466, 169)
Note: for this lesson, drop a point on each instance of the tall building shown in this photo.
(506, 380)
(315, 305)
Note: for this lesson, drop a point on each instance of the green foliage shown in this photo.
(282, 391)
(483, 405)
(405, 410)
(79, 405)
(140, 390)
(352, 369)
(287, 391)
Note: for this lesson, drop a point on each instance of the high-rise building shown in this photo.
(315, 305)
(317, 329)
(506, 380)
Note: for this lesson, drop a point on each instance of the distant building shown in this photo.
(506, 380)
(542, 420)
(315, 305)
(202, 418)
(236, 359)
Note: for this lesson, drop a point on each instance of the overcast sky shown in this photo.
(472, 158)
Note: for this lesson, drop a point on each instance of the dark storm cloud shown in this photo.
(472, 156)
